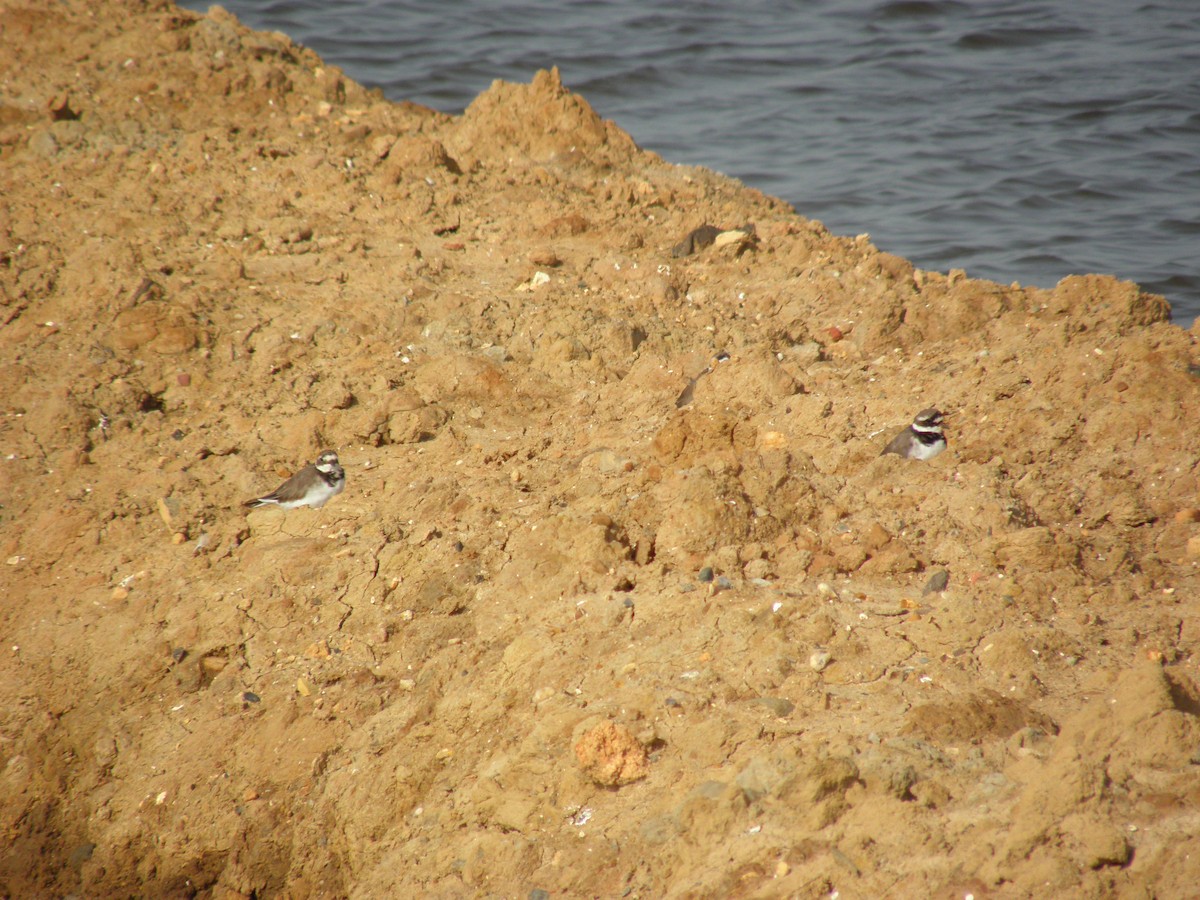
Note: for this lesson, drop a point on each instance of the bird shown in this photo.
(312, 486)
(923, 439)
(688, 393)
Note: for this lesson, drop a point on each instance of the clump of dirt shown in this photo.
(599, 495)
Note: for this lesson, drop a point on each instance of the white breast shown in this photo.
(925, 451)
(322, 493)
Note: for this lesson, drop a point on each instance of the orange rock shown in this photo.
(318, 650)
(610, 755)
(773, 440)
(876, 537)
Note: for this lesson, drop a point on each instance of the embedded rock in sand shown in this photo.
(611, 755)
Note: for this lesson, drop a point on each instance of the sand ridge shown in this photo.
(620, 598)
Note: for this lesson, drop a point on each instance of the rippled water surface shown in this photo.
(1019, 141)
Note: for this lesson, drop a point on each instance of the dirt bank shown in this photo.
(588, 619)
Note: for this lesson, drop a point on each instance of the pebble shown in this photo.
(120, 593)
(251, 697)
(876, 537)
(937, 582)
(81, 854)
(735, 236)
(724, 584)
(780, 707)
(44, 144)
(819, 660)
(538, 279)
(695, 240)
(773, 440)
(706, 574)
(611, 755)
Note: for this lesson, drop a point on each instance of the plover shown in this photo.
(687, 394)
(311, 486)
(923, 439)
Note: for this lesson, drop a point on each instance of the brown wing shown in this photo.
(292, 489)
(898, 445)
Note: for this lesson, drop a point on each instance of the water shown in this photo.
(1019, 141)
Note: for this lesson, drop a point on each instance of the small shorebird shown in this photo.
(687, 394)
(923, 439)
(311, 486)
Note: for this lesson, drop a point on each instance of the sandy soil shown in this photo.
(572, 629)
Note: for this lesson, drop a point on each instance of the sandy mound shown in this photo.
(620, 599)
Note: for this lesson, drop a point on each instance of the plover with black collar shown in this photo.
(923, 439)
(312, 486)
